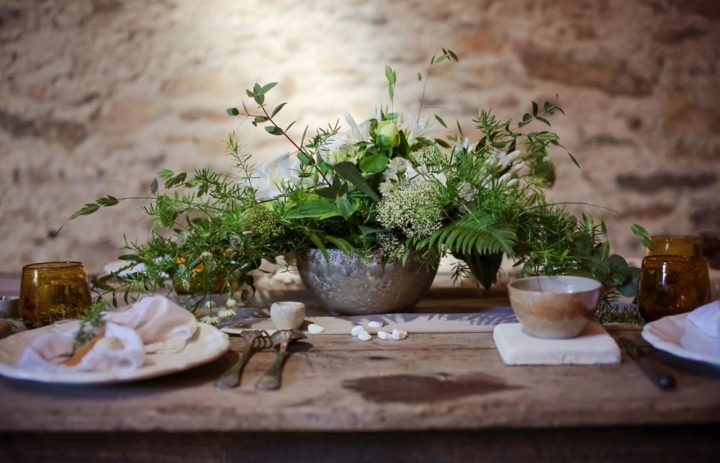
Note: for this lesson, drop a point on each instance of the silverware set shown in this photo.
(255, 341)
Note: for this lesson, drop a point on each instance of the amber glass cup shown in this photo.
(52, 291)
(670, 285)
(675, 245)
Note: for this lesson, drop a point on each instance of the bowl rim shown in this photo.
(597, 285)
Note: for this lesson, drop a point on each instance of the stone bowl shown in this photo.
(554, 307)
(350, 285)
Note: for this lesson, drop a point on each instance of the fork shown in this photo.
(254, 340)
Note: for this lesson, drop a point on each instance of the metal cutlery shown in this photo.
(254, 340)
(653, 369)
(271, 379)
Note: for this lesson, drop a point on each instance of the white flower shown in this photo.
(386, 187)
(398, 165)
(466, 192)
(270, 176)
(230, 303)
(226, 314)
(210, 320)
(504, 159)
(462, 145)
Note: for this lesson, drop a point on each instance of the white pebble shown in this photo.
(399, 334)
(364, 336)
(384, 335)
(315, 329)
(356, 330)
(373, 327)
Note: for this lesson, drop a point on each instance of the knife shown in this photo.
(651, 367)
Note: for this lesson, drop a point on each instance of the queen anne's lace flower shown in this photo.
(413, 208)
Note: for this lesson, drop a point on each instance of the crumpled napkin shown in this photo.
(706, 318)
(153, 324)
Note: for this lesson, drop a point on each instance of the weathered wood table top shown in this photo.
(434, 384)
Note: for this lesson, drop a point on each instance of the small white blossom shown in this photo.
(210, 320)
(230, 303)
(270, 176)
(226, 314)
(466, 192)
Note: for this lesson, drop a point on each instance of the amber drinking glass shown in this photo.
(670, 285)
(52, 291)
(676, 245)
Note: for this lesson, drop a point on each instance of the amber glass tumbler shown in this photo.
(670, 285)
(676, 245)
(52, 291)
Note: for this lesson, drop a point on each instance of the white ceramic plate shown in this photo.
(207, 345)
(678, 336)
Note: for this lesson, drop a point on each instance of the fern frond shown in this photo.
(475, 233)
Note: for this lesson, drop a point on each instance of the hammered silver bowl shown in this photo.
(349, 285)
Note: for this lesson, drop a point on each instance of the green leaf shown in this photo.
(176, 180)
(452, 55)
(440, 120)
(165, 173)
(442, 143)
(260, 119)
(233, 112)
(373, 164)
(350, 172)
(542, 119)
(107, 201)
(318, 243)
(419, 77)
(642, 233)
(344, 206)
(303, 158)
(267, 87)
(154, 186)
(365, 230)
(318, 208)
(340, 243)
(535, 108)
(574, 160)
(277, 109)
(85, 210)
(274, 130)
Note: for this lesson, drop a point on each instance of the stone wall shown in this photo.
(96, 96)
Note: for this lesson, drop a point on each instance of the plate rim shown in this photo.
(220, 344)
(671, 347)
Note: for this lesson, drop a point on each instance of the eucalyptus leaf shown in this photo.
(374, 163)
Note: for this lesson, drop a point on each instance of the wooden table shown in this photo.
(434, 398)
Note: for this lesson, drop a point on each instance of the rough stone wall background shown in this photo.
(98, 95)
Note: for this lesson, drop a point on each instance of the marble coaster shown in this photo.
(593, 346)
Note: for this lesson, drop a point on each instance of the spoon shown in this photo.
(270, 381)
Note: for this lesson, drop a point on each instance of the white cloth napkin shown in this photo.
(154, 324)
(706, 318)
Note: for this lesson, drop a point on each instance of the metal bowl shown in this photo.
(350, 285)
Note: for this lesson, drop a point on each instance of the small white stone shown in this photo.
(356, 330)
(373, 327)
(384, 335)
(364, 336)
(315, 329)
(398, 334)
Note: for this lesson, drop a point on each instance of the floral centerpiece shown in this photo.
(396, 185)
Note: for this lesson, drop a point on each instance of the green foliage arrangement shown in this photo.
(385, 186)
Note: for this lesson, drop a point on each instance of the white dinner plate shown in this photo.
(208, 344)
(678, 336)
